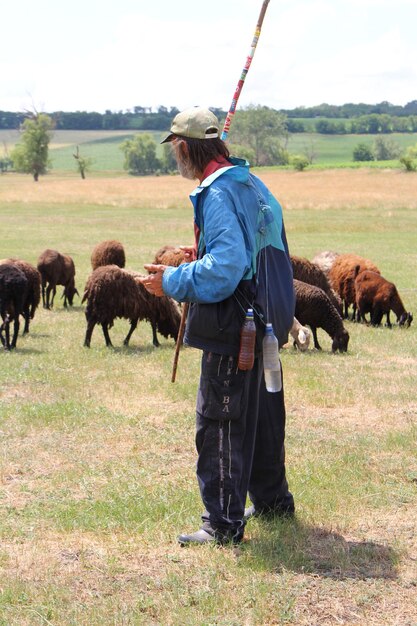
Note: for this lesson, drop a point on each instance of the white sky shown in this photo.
(95, 55)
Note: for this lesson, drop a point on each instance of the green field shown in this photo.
(97, 445)
(103, 147)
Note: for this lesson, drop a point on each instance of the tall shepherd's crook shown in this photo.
(226, 129)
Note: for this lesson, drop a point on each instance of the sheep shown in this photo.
(110, 252)
(168, 255)
(56, 269)
(301, 335)
(377, 296)
(342, 278)
(312, 274)
(13, 292)
(113, 292)
(33, 295)
(325, 260)
(313, 307)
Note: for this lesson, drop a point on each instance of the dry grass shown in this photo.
(97, 452)
(316, 189)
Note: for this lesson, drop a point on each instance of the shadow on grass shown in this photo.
(296, 546)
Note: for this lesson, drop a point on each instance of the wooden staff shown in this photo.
(224, 134)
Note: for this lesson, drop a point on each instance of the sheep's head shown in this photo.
(340, 341)
(405, 319)
(70, 291)
(302, 341)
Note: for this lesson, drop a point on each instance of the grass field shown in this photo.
(97, 446)
(103, 147)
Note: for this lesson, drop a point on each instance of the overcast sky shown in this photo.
(95, 55)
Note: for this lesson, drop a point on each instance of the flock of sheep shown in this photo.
(325, 289)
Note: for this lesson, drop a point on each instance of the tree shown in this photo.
(140, 155)
(362, 152)
(264, 131)
(31, 155)
(385, 149)
(83, 163)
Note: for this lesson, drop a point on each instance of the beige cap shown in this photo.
(196, 123)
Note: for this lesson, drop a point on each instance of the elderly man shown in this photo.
(240, 261)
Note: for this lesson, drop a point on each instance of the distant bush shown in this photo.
(140, 155)
(409, 159)
(300, 162)
(362, 152)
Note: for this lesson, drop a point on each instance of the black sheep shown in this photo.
(13, 292)
(314, 308)
(56, 269)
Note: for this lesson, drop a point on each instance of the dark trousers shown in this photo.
(240, 444)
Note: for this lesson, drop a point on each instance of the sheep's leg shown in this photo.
(154, 336)
(53, 296)
(316, 341)
(15, 331)
(106, 334)
(388, 322)
(89, 332)
(48, 304)
(64, 295)
(26, 316)
(346, 312)
(133, 324)
(7, 333)
(43, 294)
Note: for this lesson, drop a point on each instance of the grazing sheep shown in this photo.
(168, 255)
(33, 295)
(110, 252)
(309, 273)
(301, 335)
(56, 269)
(313, 307)
(13, 292)
(377, 296)
(342, 276)
(325, 260)
(114, 292)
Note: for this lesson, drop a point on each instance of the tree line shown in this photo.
(259, 134)
(325, 119)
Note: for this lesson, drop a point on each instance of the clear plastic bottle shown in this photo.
(272, 363)
(247, 342)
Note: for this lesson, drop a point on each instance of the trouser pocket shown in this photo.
(221, 388)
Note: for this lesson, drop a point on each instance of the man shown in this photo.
(241, 261)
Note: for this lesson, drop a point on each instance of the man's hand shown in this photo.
(189, 253)
(153, 282)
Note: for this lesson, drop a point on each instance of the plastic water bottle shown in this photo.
(247, 342)
(272, 363)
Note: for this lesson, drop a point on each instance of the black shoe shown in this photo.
(287, 510)
(199, 537)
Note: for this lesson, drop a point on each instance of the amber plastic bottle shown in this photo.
(247, 342)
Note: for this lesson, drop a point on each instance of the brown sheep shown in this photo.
(56, 269)
(110, 252)
(13, 293)
(113, 292)
(342, 278)
(314, 308)
(168, 255)
(33, 294)
(312, 274)
(377, 296)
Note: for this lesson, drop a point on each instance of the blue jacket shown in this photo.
(243, 262)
